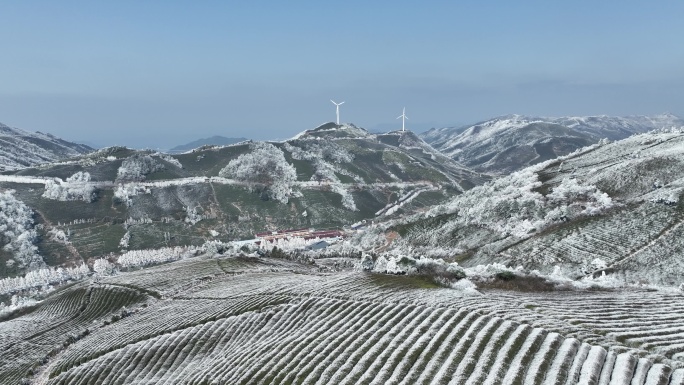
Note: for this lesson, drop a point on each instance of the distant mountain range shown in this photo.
(512, 142)
(19, 148)
(215, 140)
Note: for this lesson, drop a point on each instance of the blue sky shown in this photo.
(160, 73)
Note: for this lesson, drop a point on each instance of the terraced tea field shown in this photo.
(268, 321)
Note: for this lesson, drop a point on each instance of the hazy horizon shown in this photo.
(162, 74)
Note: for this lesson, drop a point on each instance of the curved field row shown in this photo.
(320, 341)
(647, 320)
(98, 302)
(64, 313)
(29, 339)
(252, 283)
(163, 318)
(293, 326)
(61, 305)
(56, 309)
(191, 274)
(168, 276)
(663, 255)
(17, 359)
(604, 318)
(105, 299)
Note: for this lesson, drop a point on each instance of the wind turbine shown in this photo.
(403, 118)
(337, 108)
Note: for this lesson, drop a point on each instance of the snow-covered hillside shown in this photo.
(19, 148)
(510, 143)
(617, 202)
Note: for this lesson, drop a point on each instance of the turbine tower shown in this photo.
(337, 107)
(403, 118)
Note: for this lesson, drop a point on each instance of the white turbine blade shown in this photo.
(333, 102)
(400, 116)
(341, 103)
(406, 117)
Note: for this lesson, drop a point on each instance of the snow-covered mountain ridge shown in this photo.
(19, 148)
(329, 177)
(505, 144)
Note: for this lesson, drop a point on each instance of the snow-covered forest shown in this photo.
(265, 168)
(76, 187)
(137, 167)
(17, 232)
(512, 205)
(43, 277)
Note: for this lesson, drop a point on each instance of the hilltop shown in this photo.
(19, 148)
(215, 140)
(510, 143)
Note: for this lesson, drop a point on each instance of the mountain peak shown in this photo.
(334, 130)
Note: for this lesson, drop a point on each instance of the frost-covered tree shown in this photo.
(347, 198)
(76, 188)
(16, 302)
(192, 216)
(123, 243)
(170, 159)
(137, 167)
(212, 248)
(668, 195)
(367, 262)
(58, 236)
(577, 199)
(509, 205)
(124, 192)
(42, 277)
(380, 265)
(265, 167)
(17, 234)
(148, 257)
(103, 267)
(513, 205)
